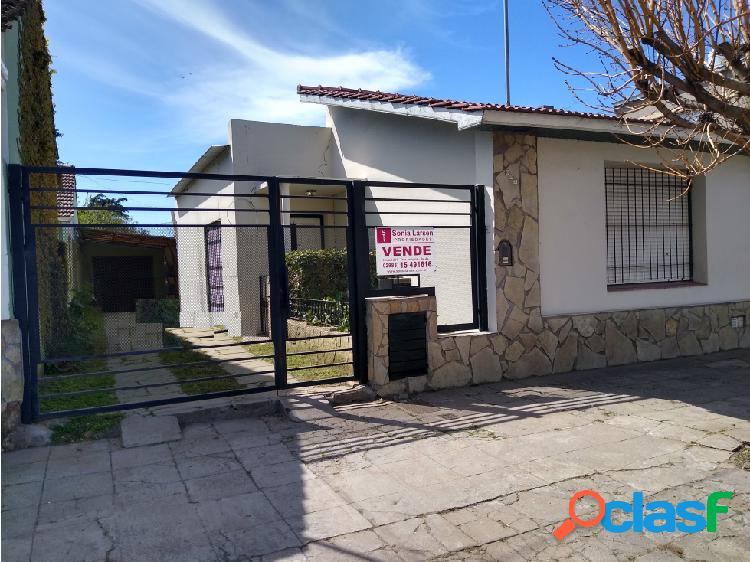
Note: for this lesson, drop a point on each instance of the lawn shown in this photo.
(188, 372)
(73, 384)
(297, 361)
(85, 427)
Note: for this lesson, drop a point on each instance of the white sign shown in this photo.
(401, 250)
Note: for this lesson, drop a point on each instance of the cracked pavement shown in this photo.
(480, 473)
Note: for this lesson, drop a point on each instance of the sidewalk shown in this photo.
(480, 473)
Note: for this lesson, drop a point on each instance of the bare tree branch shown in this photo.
(680, 69)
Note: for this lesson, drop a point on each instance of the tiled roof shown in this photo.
(127, 238)
(385, 97)
(66, 195)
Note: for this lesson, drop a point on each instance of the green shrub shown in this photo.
(321, 274)
(83, 334)
(317, 274)
(165, 311)
(80, 332)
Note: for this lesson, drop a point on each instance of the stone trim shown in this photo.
(12, 379)
(528, 344)
(378, 310)
(590, 341)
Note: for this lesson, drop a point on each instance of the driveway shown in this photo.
(481, 473)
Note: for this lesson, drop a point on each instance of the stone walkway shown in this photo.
(139, 378)
(235, 361)
(481, 473)
(251, 372)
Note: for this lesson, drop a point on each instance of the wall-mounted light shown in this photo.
(310, 192)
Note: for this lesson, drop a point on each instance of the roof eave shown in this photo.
(462, 119)
(563, 123)
(489, 118)
(205, 160)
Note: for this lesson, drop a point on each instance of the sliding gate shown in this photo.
(139, 288)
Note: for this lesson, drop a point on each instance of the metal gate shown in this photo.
(141, 288)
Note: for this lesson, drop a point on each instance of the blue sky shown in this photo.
(151, 83)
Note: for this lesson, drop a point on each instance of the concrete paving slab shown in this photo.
(362, 545)
(482, 473)
(327, 523)
(77, 487)
(83, 540)
(19, 522)
(220, 485)
(138, 430)
(140, 456)
(275, 536)
(237, 513)
(90, 508)
(23, 495)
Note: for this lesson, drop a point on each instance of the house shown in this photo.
(133, 279)
(608, 262)
(130, 274)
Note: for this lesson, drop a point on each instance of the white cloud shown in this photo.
(259, 82)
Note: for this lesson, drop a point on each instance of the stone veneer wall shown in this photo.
(12, 379)
(526, 343)
(378, 310)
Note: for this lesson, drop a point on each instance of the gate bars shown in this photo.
(25, 280)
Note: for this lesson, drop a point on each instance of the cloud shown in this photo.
(256, 81)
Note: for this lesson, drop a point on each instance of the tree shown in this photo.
(104, 210)
(677, 72)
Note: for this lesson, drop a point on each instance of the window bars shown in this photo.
(214, 272)
(649, 220)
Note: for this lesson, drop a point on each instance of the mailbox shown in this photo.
(506, 253)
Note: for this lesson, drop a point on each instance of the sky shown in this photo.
(150, 84)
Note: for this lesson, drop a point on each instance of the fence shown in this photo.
(320, 312)
(139, 303)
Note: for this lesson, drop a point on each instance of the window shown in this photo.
(649, 221)
(306, 232)
(214, 274)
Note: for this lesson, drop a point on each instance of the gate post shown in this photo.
(481, 256)
(279, 283)
(359, 272)
(18, 280)
(25, 304)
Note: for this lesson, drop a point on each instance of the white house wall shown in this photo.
(572, 233)
(191, 249)
(383, 147)
(274, 149)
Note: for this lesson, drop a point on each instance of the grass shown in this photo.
(296, 361)
(90, 400)
(187, 372)
(741, 457)
(85, 427)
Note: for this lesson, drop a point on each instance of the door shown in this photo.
(119, 281)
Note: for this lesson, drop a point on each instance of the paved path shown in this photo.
(140, 378)
(251, 372)
(481, 473)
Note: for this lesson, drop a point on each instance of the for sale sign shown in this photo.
(400, 250)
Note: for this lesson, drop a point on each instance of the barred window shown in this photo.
(649, 226)
(214, 273)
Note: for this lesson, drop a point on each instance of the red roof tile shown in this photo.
(368, 95)
(66, 195)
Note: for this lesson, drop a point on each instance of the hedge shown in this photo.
(321, 274)
(38, 147)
